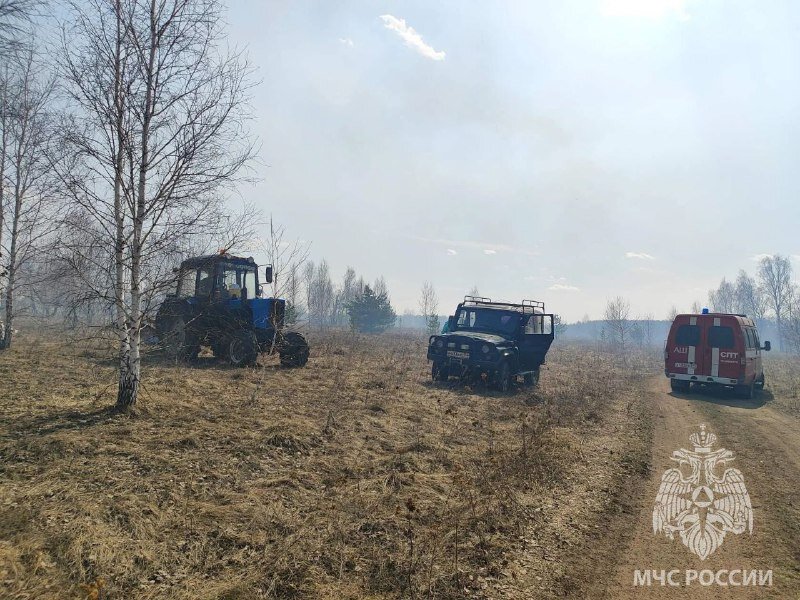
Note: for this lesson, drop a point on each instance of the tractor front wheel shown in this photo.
(179, 341)
(293, 350)
(242, 348)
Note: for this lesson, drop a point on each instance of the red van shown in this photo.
(714, 349)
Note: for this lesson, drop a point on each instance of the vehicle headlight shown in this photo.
(485, 348)
(439, 343)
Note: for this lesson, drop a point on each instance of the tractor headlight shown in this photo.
(485, 348)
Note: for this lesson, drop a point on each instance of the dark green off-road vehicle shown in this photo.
(497, 342)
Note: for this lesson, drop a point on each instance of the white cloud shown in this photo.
(346, 42)
(488, 251)
(451, 252)
(639, 255)
(411, 37)
(563, 287)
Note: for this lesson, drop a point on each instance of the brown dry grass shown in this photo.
(353, 477)
(782, 373)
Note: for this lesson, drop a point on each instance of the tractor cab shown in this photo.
(220, 277)
(218, 301)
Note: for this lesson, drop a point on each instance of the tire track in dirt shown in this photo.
(766, 445)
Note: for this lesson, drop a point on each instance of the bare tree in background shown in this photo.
(343, 296)
(28, 139)
(723, 299)
(320, 295)
(14, 16)
(673, 312)
(286, 257)
(775, 276)
(696, 307)
(380, 288)
(159, 134)
(647, 328)
(750, 299)
(429, 307)
(308, 284)
(617, 322)
(473, 291)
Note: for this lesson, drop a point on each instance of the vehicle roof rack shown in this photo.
(534, 304)
(477, 299)
(526, 306)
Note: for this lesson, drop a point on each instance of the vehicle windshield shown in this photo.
(488, 320)
(237, 281)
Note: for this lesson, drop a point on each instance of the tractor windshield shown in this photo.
(488, 320)
(237, 281)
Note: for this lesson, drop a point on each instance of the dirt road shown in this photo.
(766, 444)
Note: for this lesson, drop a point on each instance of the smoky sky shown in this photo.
(565, 151)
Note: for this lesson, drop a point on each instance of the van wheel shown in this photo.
(679, 385)
(745, 391)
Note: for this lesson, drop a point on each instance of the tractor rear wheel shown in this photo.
(242, 348)
(180, 342)
(293, 350)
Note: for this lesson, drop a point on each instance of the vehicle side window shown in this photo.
(688, 335)
(186, 284)
(720, 337)
(204, 281)
(756, 339)
(249, 283)
(751, 338)
(533, 325)
(466, 318)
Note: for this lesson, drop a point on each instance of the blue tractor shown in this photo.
(218, 303)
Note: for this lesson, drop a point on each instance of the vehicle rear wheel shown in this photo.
(532, 378)
(294, 350)
(679, 385)
(745, 391)
(242, 348)
(761, 382)
(439, 372)
(179, 341)
(502, 379)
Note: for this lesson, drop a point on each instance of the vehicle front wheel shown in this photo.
(179, 341)
(502, 378)
(532, 378)
(761, 382)
(294, 350)
(439, 372)
(242, 348)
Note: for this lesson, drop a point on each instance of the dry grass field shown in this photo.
(355, 477)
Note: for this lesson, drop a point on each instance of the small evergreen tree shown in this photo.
(370, 312)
